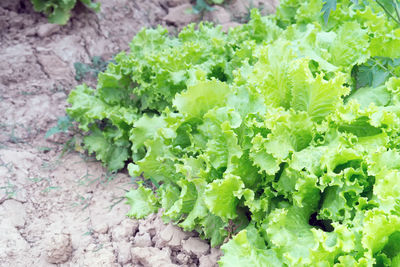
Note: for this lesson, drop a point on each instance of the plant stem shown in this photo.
(383, 67)
(387, 12)
(396, 7)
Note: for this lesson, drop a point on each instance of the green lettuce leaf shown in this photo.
(221, 198)
(315, 96)
(58, 11)
(200, 98)
(279, 138)
(141, 201)
(248, 249)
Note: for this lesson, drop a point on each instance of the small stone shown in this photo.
(124, 252)
(171, 236)
(195, 246)
(30, 32)
(47, 29)
(181, 15)
(240, 7)
(152, 225)
(218, 15)
(99, 256)
(211, 259)
(143, 240)
(151, 257)
(100, 228)
(266, 6)
(182, 258)
(59, 248)
(59, 96)
(167, 251)
(53, 65)
(125, 230)
(105, 238)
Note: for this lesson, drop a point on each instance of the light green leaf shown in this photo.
(110, 153)
(350, 46)
(366, 95)
(145, 128)
(200, 98)
(242, 251)
(141, 201)
(221, 196)
(315, 96)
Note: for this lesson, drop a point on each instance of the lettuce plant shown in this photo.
(279, 140)
(58, 11)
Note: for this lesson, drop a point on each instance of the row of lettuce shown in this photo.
(281, 136)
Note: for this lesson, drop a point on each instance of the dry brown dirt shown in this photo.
(67, 210)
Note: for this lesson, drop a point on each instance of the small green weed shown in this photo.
(63, 124)
(98, 65)
(201, 6)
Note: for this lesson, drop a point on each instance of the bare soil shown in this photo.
(65, 209)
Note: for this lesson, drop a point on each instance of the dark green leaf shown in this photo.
(329, 5)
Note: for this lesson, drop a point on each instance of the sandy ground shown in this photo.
(66, 209)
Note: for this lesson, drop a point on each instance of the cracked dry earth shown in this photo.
(68, 210)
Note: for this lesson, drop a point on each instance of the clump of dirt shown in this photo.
(59, 248)
(228, 15)
(68, 210)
